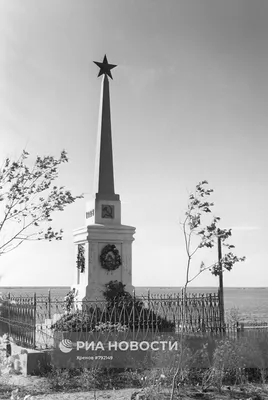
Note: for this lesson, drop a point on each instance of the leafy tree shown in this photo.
(28, 199)
(206, 236)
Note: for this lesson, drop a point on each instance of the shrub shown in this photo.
(121, 309)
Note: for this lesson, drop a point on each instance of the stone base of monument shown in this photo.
(29, 361)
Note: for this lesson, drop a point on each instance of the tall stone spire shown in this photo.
(103, 238)
(104, 170)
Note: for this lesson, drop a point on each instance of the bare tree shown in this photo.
(28, 199)
(206, 236)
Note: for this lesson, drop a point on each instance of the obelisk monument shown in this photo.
(103, 247)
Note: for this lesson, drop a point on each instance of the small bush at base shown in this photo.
(91, 379)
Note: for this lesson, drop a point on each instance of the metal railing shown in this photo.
(18, 319)
(29, 319)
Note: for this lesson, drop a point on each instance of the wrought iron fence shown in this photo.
(18, 319)
(41, 322)
(29, 320)
(202, 311)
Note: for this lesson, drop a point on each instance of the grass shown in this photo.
(154, 388)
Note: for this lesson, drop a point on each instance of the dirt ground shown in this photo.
(37, 386)
(34, 384)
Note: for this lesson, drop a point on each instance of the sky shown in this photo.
(188, 102)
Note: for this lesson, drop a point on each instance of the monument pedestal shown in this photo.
(90, 284)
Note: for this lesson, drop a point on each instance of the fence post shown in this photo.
(9, 328)
(49, 304)
(182, 316)
(239, 328)
(133, 313)
(177, 314)
(34, 321)
(203, 307)
(221, 311)
(221, 285)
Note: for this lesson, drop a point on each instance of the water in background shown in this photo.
(252, 303)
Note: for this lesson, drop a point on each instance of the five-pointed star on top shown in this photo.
(105, 67)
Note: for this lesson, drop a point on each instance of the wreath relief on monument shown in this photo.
(110, 258)
(80, 260)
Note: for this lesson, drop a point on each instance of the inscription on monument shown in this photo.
(89, 214)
